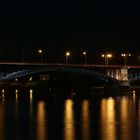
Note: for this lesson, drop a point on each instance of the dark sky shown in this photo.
(56, 26)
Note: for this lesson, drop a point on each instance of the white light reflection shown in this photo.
(16, 106)
(16, 109)
(16, 94)
(108, 124)
(3, 93)
(69, 120)
(31, 124)
(2, 120)
(85, 120)
(133, 91)
(31, 96)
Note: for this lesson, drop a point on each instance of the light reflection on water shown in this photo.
(2, 120)
(69, 120)
(127, 118)
(85, 120)
(138, 118)
(41, 121)
(108, 123)
(16, 96)
(3, 93)
(31, 114)
(31, 96)
(109, 118)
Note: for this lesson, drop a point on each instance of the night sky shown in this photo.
(56, 26)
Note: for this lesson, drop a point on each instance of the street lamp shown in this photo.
(67, 56)
(125, 57)
(85, 57)
(40, 52)
(106, 57)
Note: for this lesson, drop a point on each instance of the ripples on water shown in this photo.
(105, 118)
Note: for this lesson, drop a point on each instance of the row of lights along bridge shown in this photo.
(106, 57)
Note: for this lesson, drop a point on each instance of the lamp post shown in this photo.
(125, 58)
(40, 52)
(85, 57)
(67, 56)
(106, 58)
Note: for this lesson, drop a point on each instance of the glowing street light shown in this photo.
(40, 52)
(106, 57)
(125, 58)
(85, 57)
(109, 55)
(67, 56)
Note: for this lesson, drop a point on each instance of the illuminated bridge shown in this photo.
(111, 74)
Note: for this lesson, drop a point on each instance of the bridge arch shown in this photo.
(61, 69)
(134, 80)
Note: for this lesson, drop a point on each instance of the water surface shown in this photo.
(25, 117)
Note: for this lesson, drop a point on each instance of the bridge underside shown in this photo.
(61, 72)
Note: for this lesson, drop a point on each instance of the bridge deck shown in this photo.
(61, 64)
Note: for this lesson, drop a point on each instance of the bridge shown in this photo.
(109, 74)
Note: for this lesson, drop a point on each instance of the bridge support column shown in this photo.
(124, 82)
(122, 76)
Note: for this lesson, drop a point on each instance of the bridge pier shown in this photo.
(125, 85)
(124, 81)
(122, 76)
(118, 89)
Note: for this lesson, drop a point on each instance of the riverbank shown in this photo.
(69, 90)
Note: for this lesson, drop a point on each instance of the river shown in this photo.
(27, 117)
